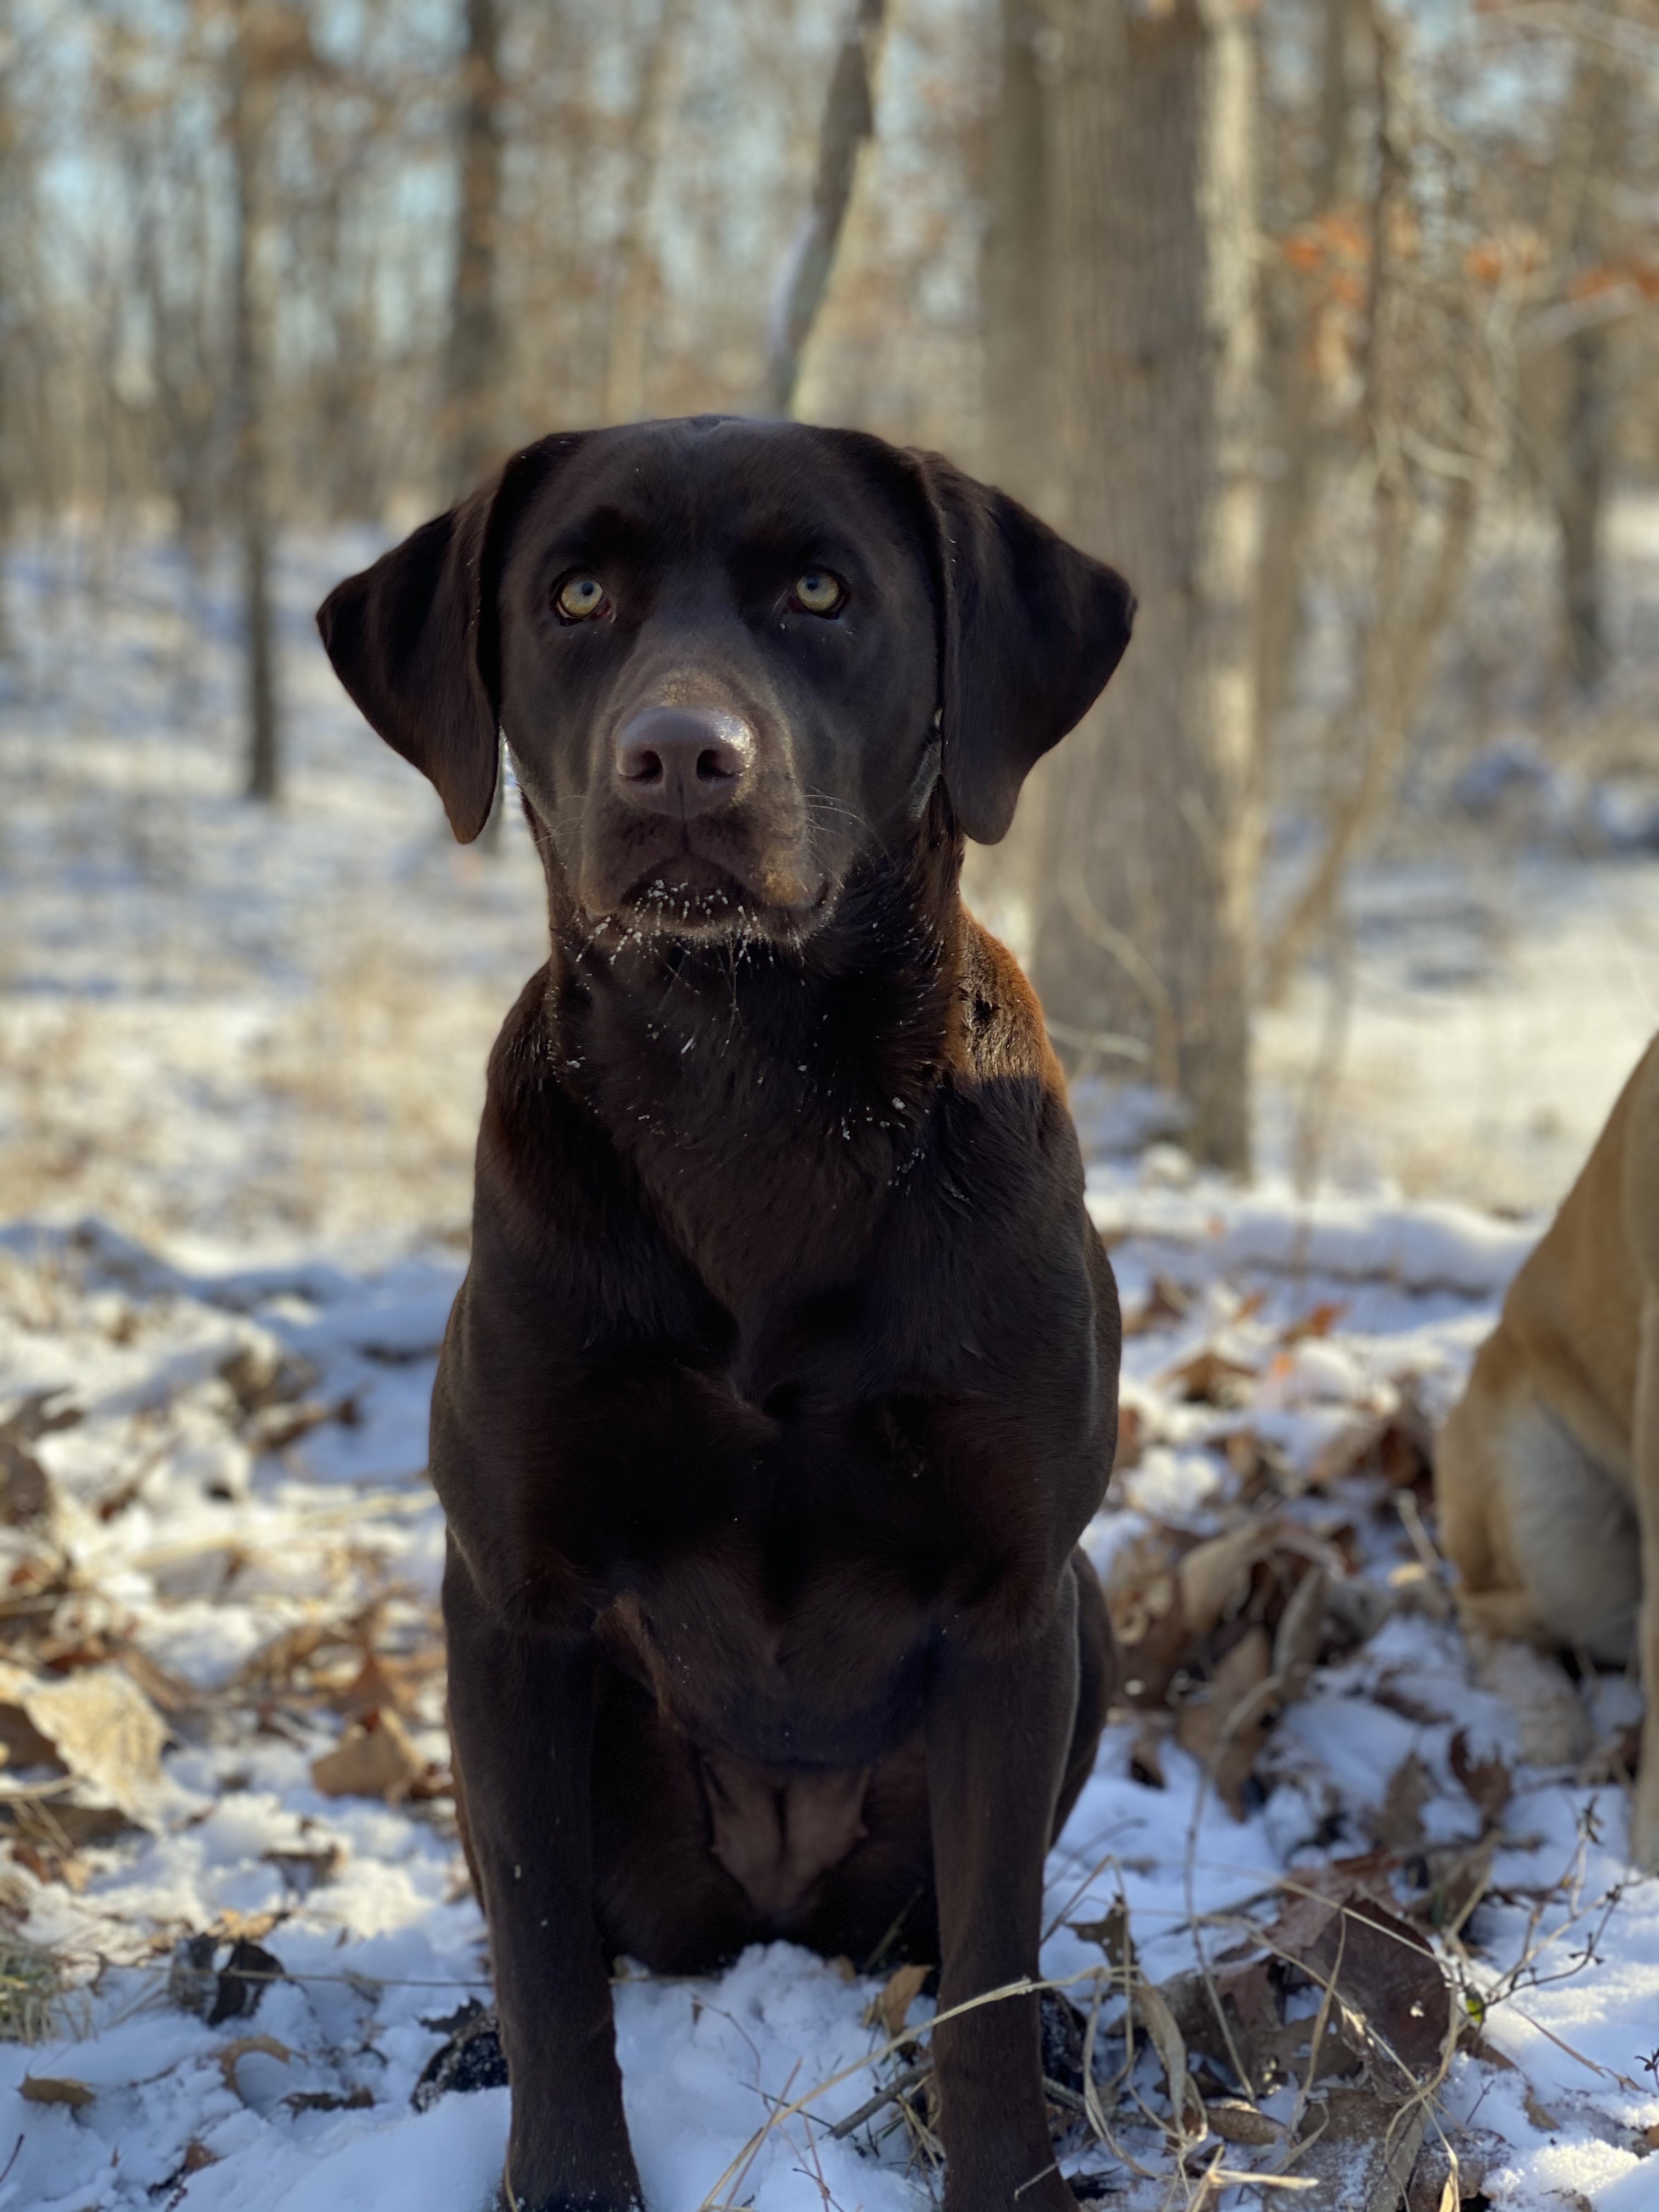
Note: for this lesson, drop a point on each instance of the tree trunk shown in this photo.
(631, 295)
(1578, 483)
(1293, 423)
(251, 98)
(1143, 939)
(849, 119)
(1014, 273)
(1580, 232)
(472, 368)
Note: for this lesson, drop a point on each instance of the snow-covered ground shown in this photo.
(241, 1060)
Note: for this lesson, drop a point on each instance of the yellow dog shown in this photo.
(1548, 1472)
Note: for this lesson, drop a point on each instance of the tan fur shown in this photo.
(1547, 1471)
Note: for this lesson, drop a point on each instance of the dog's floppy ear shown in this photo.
(416, 639)
(1032, 629)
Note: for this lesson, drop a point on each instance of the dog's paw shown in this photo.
(1552, 1729)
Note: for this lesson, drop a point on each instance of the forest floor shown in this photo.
(1334, 1931)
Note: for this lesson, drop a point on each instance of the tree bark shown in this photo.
(1014, 272)
(251, 89)
(630, 298)
(849, 119)
(1579, 232)
(472, 368)
(1143, 937)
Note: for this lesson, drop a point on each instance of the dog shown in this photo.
(1546, 1473)
(783, 1378)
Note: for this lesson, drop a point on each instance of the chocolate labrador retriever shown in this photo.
(784, 1375)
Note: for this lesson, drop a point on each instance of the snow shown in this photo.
(240, 1064)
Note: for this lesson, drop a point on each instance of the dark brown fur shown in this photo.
(784, 1375)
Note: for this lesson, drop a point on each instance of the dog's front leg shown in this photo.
(521, 1719)
(1645, 1812)
(997, 1727)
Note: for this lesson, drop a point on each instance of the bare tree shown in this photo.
(472, 371)
(850, 120)
(1143, 937)
(1580, 234)
(630, 298)
(261, 43)
(1015, 274)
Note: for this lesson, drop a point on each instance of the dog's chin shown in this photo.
(691, 899)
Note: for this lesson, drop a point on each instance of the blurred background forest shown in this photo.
(1334, 323)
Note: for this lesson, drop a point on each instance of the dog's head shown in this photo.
(731, 658)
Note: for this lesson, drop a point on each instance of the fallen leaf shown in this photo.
(888, 2010)
(1301, 1629)
(1146, 1753)
(1164, 1303)
(1131, 1439)
(1362, 2148)
(1486, 1780)
(1394, 2008)
(1396, 1824)
(198, 2156)
(325, 2101)
(241, 2048)
(47, 2089)
(373, 1759)
(1209, 1377)
(97, 1724)
(1318, 1321)
(218, 1993)
(304, 1871)
(1237, 2123)
(1225, 1727)
(374, 1688)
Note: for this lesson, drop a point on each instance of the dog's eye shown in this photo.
(818, 593)
(581, 596)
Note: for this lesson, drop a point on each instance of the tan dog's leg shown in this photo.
(1644, 1814)
(1534, 1529)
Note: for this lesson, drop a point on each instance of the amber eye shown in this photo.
(579, 597)
(818, 593)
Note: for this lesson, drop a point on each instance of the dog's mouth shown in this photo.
(689, 894)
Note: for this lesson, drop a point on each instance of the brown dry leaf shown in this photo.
(1540, 2115)
(1215, 1575)
(1365, 2149)
(1146, 1752)
(1238, 2122)
(1394, 2008)
(1209, 1377)
(97, 1724)
(304, 1871)
(239, 2047)
(1131, 1439)
(1142, 1602)
(901, 1990)
(1301, 1630)
(1487, 1780)
(196, 2156)
(1225, 1729)
(1164, 1303)
(1155, 2016)
(47, 2089)
(1318, 1321)
(373, 1759)
(327, 2100)
(25, 1486)
(375, 1688)
(1396, 1824)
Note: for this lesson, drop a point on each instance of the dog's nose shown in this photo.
(682, 760)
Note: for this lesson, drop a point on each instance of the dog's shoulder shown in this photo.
(1004, 1036)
